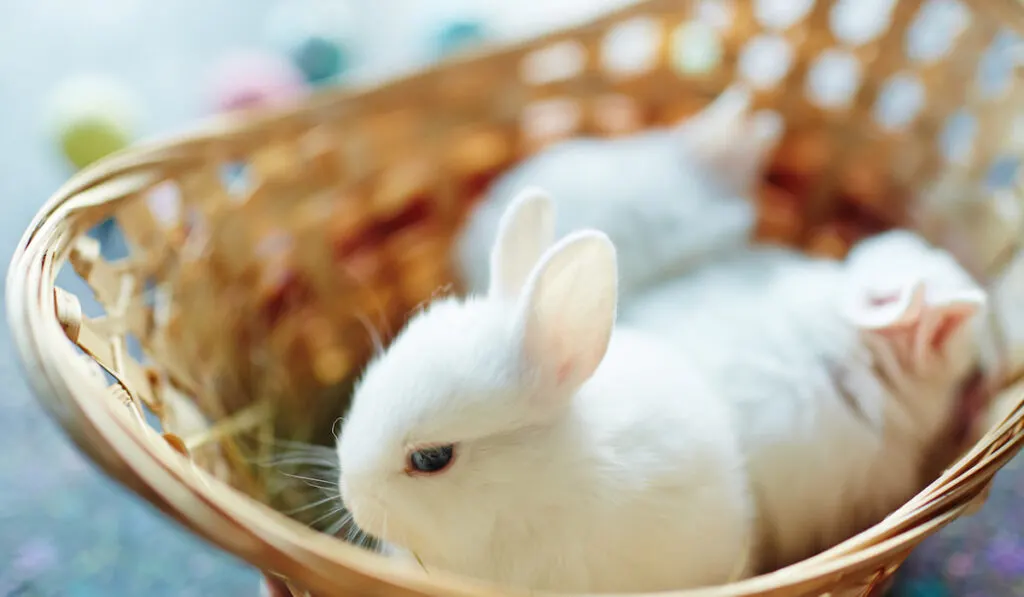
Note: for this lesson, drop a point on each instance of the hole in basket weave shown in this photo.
(857, 22)
(935, 29)
(995, 69)
(557, 62)
(900, 101)
(113, 244)
(696, 48)
(765, 59)
(957, 139)
(547, 120)
(717, 13)
(71, 282)
(631, 47)
(164, 202)
(237, 179)
(134, 347)
(1003, 172)
(781, 14)
(833, 79)
(150, 291)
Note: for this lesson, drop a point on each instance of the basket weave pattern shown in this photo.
(260, 248)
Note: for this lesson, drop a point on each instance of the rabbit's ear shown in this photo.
(525, 230)
(915, 323)
(567, 310)
(728, 142)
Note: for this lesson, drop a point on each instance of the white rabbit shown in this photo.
(667, 199)
(842, 375)
(517, 438)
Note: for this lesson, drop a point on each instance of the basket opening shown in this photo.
(237, 178)
(300, 340)
(291, 336)
(1003, 174)
(111, 239)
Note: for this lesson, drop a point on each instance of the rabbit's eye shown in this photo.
(431, 460)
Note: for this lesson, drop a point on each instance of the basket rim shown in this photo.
(140, 460)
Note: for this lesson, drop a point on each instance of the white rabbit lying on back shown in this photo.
(517, 437)
(667, 199)
(842, 375)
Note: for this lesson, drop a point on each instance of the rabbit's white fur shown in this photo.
(838, 398)
(585, 460)
(667, 199)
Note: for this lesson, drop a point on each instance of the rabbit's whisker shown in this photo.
(312, 505)
(312, 481)
(329, 514)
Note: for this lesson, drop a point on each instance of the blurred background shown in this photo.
(81, 77)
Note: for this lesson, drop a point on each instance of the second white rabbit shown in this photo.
(841, 375)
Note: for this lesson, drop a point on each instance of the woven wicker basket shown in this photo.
(260, 245)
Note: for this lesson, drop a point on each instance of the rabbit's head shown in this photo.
(459, 424)
(921, 315)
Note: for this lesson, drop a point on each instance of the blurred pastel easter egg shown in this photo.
(459, 34)
(92, 116)
(316, 34)
(243, 79)
(321, 59)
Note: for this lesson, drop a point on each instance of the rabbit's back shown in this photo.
(661, 213)
(766, 329)
(679, 506)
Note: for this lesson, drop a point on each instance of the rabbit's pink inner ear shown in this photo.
(880, 311)
(948, 318)
(917, 330)
(568, 308)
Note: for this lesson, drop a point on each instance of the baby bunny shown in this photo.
(842, 376)
(521, 438)
(667, 199)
